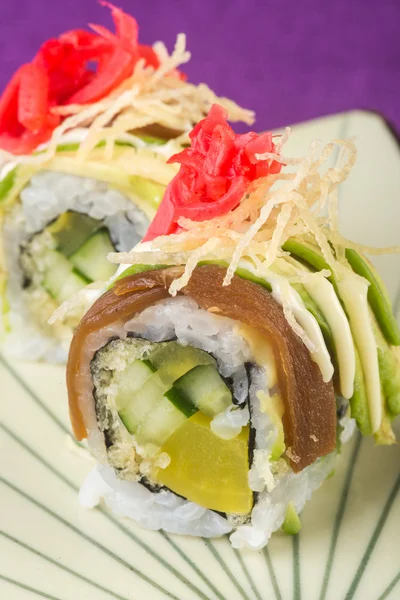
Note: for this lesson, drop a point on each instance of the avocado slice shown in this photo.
(243, 273)
(379, 303)
(389, 375)
(147, 190)
(150, 139)
(307, 252)
(389, 372)
(19, 176)
(390, 379)
(311, 255)
(292, 523)
(358, 401)
(74, 146)
(135, 269)
(377, 296)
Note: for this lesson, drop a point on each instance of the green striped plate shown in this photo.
(348, 548)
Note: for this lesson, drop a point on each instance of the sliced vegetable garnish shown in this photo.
(135, 269)
(244, 273)
(306, 252)
(359, 400)
(215, 172)
(377, 296)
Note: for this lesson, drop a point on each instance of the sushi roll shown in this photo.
(239, 346)
(86, 131)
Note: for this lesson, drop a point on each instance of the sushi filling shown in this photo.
(61, 260)
(167, 399)
(181, 414)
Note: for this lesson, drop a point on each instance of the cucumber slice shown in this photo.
(91, 257)
(141, 402)
(181, 402)
(71, 230)
(172, 360)
(133, 378)
(60, 279)
(71, 286)
(203, 388)
(160, 424)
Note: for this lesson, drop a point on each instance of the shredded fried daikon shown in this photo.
(273, 209)
(149, 97)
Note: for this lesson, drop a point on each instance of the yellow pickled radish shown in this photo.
(207, 469)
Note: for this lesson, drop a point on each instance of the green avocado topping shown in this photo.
(377, 296)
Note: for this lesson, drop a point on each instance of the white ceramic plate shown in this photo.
(348, 548)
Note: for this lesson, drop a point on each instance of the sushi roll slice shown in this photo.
(57, 232)
(219, 375)
(83, 167)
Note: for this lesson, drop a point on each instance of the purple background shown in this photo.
(289, 60)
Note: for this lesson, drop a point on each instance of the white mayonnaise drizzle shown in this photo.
(323, 293)
(283, 293)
